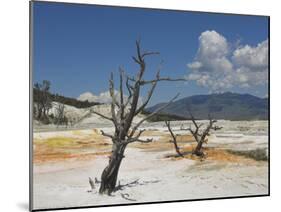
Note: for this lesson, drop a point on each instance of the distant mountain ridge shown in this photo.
(230, 106)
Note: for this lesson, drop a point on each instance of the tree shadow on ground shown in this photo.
(121, 187)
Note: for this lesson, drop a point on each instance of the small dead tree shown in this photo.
(200, 135)
(60, 118)
(123, 112)
(174, 137)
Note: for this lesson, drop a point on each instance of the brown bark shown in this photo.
(110, 173)
(198, 150)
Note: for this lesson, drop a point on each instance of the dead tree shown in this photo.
(61, 118)
(123, 112)
(200, 135)
(174, 137)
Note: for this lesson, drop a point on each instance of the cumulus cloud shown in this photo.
(103, 97)
(219, 67)
(252, 64)
(255, 58)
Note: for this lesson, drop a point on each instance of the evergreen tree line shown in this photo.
(43, 98)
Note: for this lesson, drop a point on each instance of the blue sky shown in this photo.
(77, 46)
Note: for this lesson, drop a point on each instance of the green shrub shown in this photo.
(257, 154)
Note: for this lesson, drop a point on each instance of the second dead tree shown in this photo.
(200, 135)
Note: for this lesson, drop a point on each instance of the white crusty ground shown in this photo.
(65, 184)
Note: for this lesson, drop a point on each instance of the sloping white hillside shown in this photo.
(105, 110)
(83, 117)
(72, 113)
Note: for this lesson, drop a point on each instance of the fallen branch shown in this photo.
(126, 196)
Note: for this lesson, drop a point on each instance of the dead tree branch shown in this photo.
(92, 184)
(101, 115)
(174, 137)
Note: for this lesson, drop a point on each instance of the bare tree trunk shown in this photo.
(198, 150)
(110, 173)
(39, 113)
(177, 149)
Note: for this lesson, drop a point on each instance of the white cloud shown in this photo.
(255, 58)
(219, 68)
(103, 97)
(212, 45)
(252, 64)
